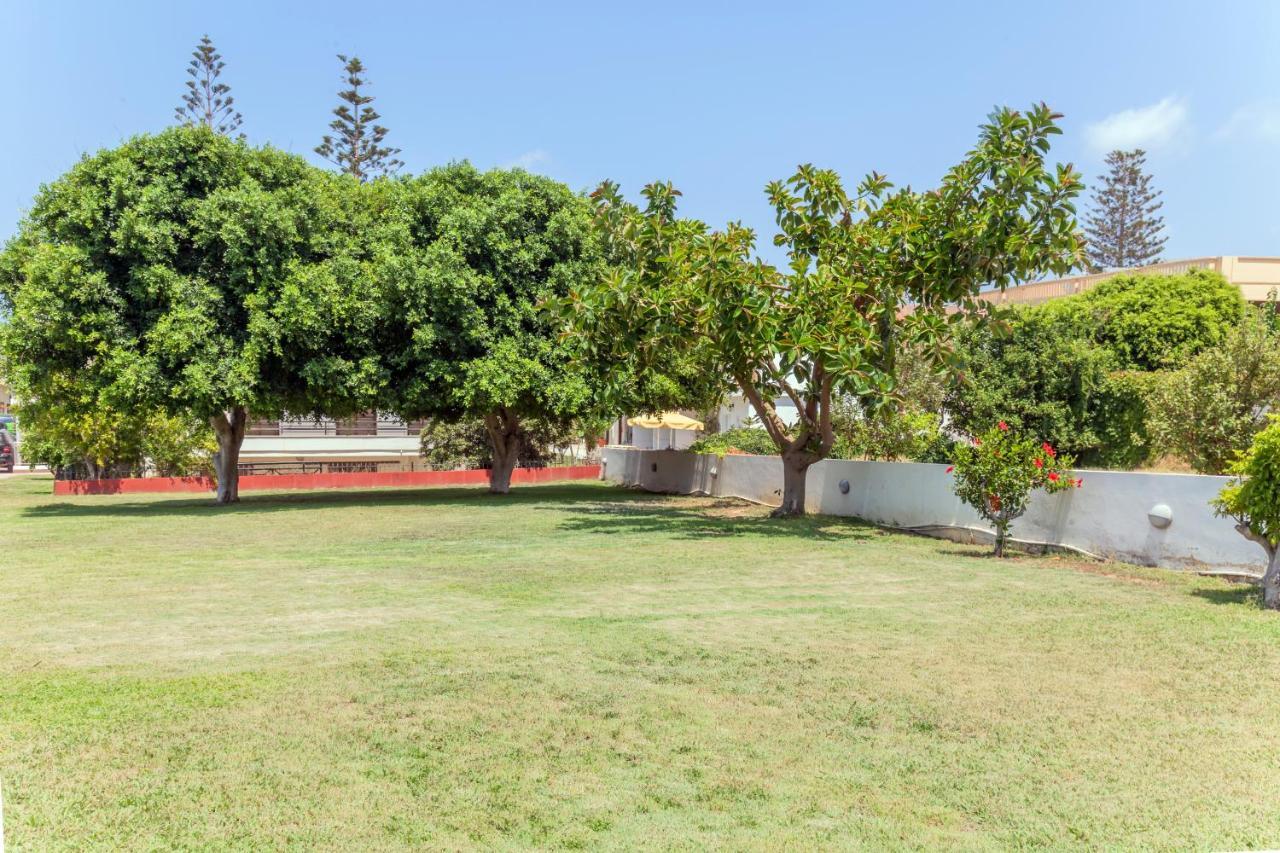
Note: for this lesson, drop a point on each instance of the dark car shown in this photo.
(7, 449)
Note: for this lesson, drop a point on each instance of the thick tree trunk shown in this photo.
(504, 435)
(812, 439)
(229, 427)
(795, 471)
(1002, 535)
(1271, 582)
(1271, 577)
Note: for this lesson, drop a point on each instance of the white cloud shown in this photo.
(1142, 127)
(529, 159)
(1259, 120)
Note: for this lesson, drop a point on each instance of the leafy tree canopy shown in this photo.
(1153, 322)
(1209, 411)
(357, 145)
(470, 332)
(1123, 228)
(208, 101)
(168, 272)
(1253, 500)
(831, 321)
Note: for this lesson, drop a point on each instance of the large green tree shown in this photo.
(869, 272)
(1124, 228)
(470, 331)
(178, 272)
(357, 144)
(208, 101)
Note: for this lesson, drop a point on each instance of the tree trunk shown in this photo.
(229, 427)
(795, 470)
(1002, 535)
(504, 436)
(1271, 582)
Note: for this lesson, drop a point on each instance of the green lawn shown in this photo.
(582, 666)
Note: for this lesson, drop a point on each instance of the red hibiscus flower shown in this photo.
(1053, 476)
(1039, 464)
(1003, 426)
(950, 468)
(1079, 483)
(1048, 448)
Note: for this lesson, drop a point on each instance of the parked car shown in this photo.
(6, 458)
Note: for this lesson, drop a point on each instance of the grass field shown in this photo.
(582, 666)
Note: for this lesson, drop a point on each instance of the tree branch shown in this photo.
(768, 414)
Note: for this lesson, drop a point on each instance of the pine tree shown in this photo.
(356, 148)
(207, 101)
(1123, 230)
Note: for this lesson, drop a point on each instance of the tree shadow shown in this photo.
(1246, 594)
(258, 503)
(694, 518)
(591, 509)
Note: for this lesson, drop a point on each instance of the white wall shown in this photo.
(1105, 518)
(644, 438)
(736, 409)
(328, 446)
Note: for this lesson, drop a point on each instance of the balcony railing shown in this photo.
(1043, 291)
(366, 424)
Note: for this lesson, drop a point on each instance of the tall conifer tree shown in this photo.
(1123, 230)
(208, 101)
(357, 144)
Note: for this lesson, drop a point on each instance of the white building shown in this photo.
(367, 442)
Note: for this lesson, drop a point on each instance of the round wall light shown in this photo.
(1160, 515)
(844, 487)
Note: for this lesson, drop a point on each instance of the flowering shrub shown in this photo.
(999, 470)
(1253, 500)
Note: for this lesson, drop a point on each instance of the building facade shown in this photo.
(367, 442)
(1256, 277)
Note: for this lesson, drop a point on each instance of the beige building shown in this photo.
(1256, 277)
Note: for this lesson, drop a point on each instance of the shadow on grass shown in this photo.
(1246, 594)
(699, 518)
(257, 503)
(590, 507)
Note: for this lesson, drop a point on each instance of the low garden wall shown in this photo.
(369, 480)
(1108, 517)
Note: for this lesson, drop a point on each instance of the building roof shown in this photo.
(1255, 276)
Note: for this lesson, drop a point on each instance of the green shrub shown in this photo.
(82, 438)
(914, 436)
(750, 440)
(1119, 420)
(1152, 322)
(1079, 371)
(1040, 377)
(1208, 412)
(997, 473)
(1253, 500)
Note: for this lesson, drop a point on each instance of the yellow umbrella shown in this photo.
(666, 420)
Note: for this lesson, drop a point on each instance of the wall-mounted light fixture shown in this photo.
(1160, 515)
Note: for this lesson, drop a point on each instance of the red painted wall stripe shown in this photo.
(258, 482)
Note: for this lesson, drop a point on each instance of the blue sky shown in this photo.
(718, 97)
